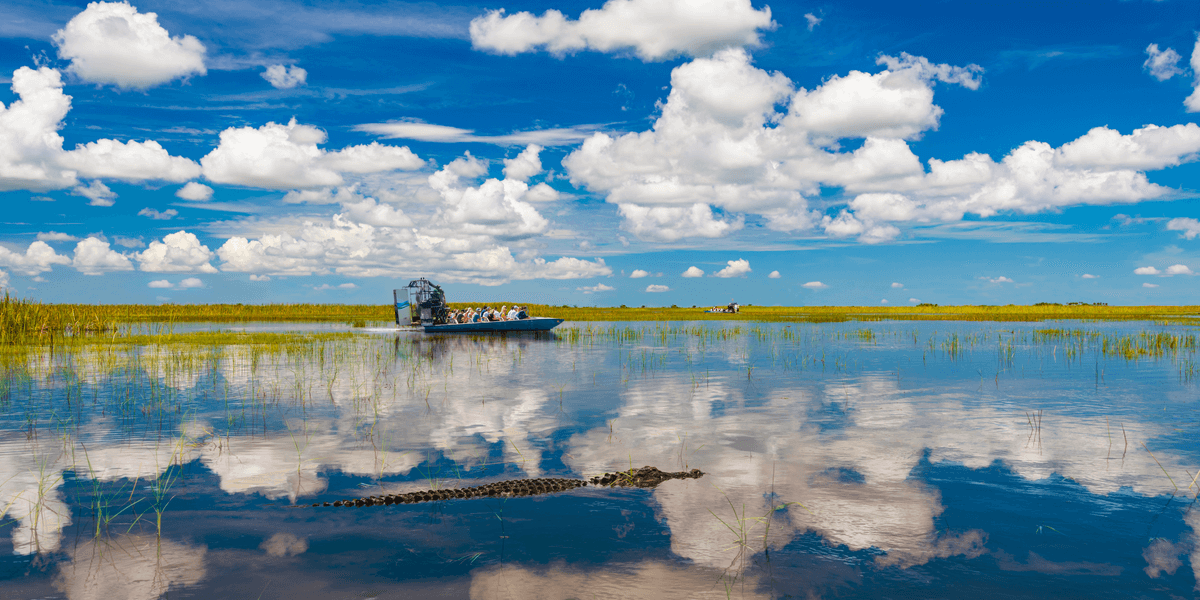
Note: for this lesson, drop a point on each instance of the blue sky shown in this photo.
(587, 153)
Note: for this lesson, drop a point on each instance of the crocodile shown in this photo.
(645, 477)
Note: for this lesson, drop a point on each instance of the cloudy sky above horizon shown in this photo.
(636, 152)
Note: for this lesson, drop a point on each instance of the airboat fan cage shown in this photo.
(425, 301)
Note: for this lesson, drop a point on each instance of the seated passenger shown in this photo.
(502, 315)
(523, 313)
(512, 314)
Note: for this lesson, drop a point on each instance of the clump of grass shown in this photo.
(24, 321)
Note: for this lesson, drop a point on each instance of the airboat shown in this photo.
(423, 303)
(732, 307)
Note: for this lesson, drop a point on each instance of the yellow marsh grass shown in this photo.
(28, 321)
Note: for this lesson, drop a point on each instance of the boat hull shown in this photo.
(530, 324)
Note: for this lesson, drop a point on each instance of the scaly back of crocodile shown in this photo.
(645, 477)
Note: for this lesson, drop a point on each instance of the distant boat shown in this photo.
(530, 324)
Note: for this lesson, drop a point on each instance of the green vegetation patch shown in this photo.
(25, 321)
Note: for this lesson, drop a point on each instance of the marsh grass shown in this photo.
(25, 320)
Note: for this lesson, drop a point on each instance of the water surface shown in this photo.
(842, 460)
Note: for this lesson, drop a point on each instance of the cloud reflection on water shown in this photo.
(647, 580)
(761, 456)
(845, 446)
(130, 567)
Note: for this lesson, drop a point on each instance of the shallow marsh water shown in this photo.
(843, 460)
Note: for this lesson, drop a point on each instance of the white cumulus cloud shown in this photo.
(284, 77)
(657, 288)
(774, 275)
(1149, 285)
(542, 192)
(743, 140)
(31, 149)
(525, 165)
(129, 161)
(1000, 279)
(1161, 64)
(1192, 102)
(1146, 271)
(179, 252)
(814, 285)
(30, 146)
(195, 191)
(1190, 227)
(454, 252)
(692, 272)
(286, 157)
(894, 103)
(735, 268)
(97, 194)
(813, 20)
(1149, 148)
(38, 258)
(159, 284)
(848, 224)
(897, 285)
(1089, 276)
(495, 207)
(652, 29)
(372, 212)
(638, 274)
(93, 256)
(1178, 270)
(671, 223)
(190, 282)
(110, 42)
